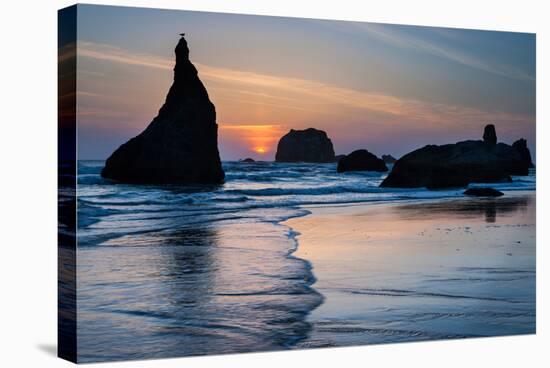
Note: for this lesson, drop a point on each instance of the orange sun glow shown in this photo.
(261, 139)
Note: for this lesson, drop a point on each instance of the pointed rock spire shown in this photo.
(180, 144)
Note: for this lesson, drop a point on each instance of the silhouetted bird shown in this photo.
(182, 34)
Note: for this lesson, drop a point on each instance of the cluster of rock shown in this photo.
(313, 145)
(433, 166)
(180, 144)
(309, 145)
(361, 160)
(462, 163)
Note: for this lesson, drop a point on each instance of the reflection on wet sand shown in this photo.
(468, 207)
(147, 285)
(170, 271)
(421, 271)
(191, 291)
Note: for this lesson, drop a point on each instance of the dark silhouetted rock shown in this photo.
(310, 145)
(248, 160)
(180, 144)
(361, 160)
(389, 159)
(456, 165)
(483, 192)
(521, 146)
(338, 157)
(490, 134)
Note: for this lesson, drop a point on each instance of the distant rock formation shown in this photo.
(247, 160)
(483, 192)
(180, 144)
(310, 145)
(361, 160)
(521, 146)
(457, 165)
(389, 159)
(490, 134)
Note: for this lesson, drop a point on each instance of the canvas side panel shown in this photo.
(67, 165)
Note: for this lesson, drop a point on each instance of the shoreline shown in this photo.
(373, 279)
(142, 246)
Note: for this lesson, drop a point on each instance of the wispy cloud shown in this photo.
(278, 92)
(404, 40)
(101, 112)
(257, 127)
(115, 54)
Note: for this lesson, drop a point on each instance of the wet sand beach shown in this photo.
(423, 270)
(179, 271)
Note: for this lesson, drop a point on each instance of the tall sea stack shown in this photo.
(180, 145)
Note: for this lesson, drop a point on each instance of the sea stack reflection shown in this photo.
(180, 144)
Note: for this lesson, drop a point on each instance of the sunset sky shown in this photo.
(386, 88)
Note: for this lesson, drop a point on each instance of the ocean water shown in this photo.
(168, 271)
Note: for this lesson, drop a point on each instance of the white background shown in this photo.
(28, 220)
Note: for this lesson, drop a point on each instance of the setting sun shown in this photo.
(260, 139)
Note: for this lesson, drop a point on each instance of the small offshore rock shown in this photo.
(483, 192)
(361, 160)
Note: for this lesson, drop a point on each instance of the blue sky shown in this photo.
(387, 88)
